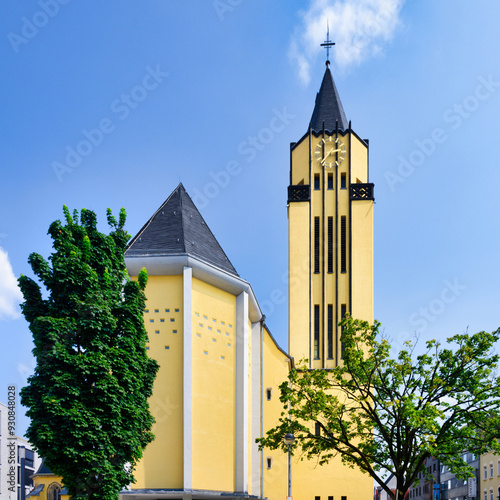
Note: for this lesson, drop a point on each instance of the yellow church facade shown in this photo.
(217, 389)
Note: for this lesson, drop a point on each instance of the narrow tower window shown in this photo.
(316, 244)
(330, 180)
(343, 181)
(343, 244)
(330, 331)
(316, 331)
(316, 182)
(343, 312)
(330, 244)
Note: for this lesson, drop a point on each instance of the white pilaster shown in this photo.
(187, 377)
(242, 361)
(256, 407)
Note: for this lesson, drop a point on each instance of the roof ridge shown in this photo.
(150, 220)
(209, 230)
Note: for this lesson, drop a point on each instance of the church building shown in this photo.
(217, 389)
(220, 367)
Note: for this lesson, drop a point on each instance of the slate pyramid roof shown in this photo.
(328, 107)
(177, 228)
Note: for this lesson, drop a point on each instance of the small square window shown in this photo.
(167, 310)
(214, 320)
(209, 327)
(343, 498)
(223, 357)
(316, 182)
(162, 320)
(330, 497)
(167, 347)
(196, 314)
(205, 352)
(218, 331)
(198, 334)
(174, 331)
(222, 323)
(147, 348)
(172, 320)
(230, 326)
(227, 334)
(151, 320)
(330, 181)
(146, 310)
(317, 498)
(157, 310)
(157, 331)
(228, 344)
(200, 325)
(214, 340)
(177, 310)
(204, 317)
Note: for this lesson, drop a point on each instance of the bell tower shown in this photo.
(330, 223)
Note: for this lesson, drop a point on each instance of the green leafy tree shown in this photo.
(88, 397)
(389, 415)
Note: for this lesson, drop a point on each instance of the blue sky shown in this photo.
(177, 91)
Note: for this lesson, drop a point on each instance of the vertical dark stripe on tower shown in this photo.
(316, 244)
(343, 243)
(310, 247)
(330, 331)
(350, 223)
(316, 331)
(330, 244)
(336, 258)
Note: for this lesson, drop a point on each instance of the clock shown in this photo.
(330, 151)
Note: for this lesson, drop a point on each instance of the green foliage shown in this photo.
(88, 397)
(389, 415)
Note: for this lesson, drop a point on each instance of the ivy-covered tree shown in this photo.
(385, 415)
(88, 396)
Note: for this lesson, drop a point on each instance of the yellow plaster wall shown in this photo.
(362, 259)
(298, 289)
(47, 481)
(300, 158)
(214, 350)
(490, 484)
(161, 465)
(276, 366)
(359, 160)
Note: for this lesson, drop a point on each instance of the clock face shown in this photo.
(330, 151)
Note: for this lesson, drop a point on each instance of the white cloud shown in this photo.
(359, 28)
(10, 294)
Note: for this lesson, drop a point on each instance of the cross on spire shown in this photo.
(327, 44)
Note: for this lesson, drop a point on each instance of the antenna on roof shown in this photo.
(327, 44)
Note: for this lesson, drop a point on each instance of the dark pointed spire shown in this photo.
(177, 228)
(328, 109)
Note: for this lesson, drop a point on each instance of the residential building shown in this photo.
(489, 477)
